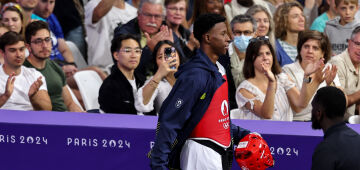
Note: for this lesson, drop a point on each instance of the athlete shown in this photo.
(194, 128)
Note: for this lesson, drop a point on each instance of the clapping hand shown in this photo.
(315, 67)
(9, 88)
(266, 68)
(35, 87)
(329, 74)
(164, 34)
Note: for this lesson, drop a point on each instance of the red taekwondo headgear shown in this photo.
(253, 153)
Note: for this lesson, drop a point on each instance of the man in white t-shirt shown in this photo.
(21, 88)
(101, 18)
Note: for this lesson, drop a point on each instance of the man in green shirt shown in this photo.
(38, 42)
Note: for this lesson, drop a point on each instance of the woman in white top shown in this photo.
(267, 93)
(312, 46)
(158, 87)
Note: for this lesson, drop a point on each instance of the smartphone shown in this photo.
(170, 53)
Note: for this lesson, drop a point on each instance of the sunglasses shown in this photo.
(262, 38)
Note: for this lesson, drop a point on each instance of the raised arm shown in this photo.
(101, 10)
(300, 99)
(163, 70)
(264, 110)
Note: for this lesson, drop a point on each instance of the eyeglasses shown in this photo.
(357, 43)
(262, 38)
(239, 33)
(38, 41)
(128, 50)
(156, 16)
(174, 9)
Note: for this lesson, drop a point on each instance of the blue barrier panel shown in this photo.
(75, 141)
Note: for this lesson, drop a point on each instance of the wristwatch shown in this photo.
(307, 79)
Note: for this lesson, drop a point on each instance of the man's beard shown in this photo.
(316, 123)
(40, 58)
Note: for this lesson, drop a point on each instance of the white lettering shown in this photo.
(95, 142)
(83, 142)
(76, 142)
(69, 141)
(13, 140)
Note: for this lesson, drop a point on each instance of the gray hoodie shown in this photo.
(338, 34)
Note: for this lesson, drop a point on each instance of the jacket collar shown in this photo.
(334, 129)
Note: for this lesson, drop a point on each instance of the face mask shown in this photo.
(241, 42)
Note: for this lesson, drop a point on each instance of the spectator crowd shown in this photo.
(279, 53)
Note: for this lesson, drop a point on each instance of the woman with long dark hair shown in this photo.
(155, 90)
(269, 94)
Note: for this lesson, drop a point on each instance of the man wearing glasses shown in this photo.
(21, 88)
(116, 94)
(348, 64)
(148, 26)
(243, 28)
(38, 41)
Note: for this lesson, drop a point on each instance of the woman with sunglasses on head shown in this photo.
(312, 46)
(269, 94)
(155, 90)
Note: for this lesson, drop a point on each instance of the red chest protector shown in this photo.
(215, 123)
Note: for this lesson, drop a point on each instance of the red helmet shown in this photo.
(253, 153)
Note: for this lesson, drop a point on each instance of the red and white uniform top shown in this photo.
(215, 124)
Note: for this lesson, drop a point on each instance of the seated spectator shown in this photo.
(22, 88)
(312, 46)
(348, 65)
(238, 7)
(116, 94)
(320, 22)
(243, 28)
(60, 52)
(264, 21)
(269, 94)
(101, 18)
(148, 26)
(340, 148)
(289, 21)
(157, 88)
(38, 41)
(12, 17)
(339, 29)
(175, 16)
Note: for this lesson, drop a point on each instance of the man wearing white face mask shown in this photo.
(243, 28)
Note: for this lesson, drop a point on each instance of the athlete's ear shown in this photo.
(207, 38)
